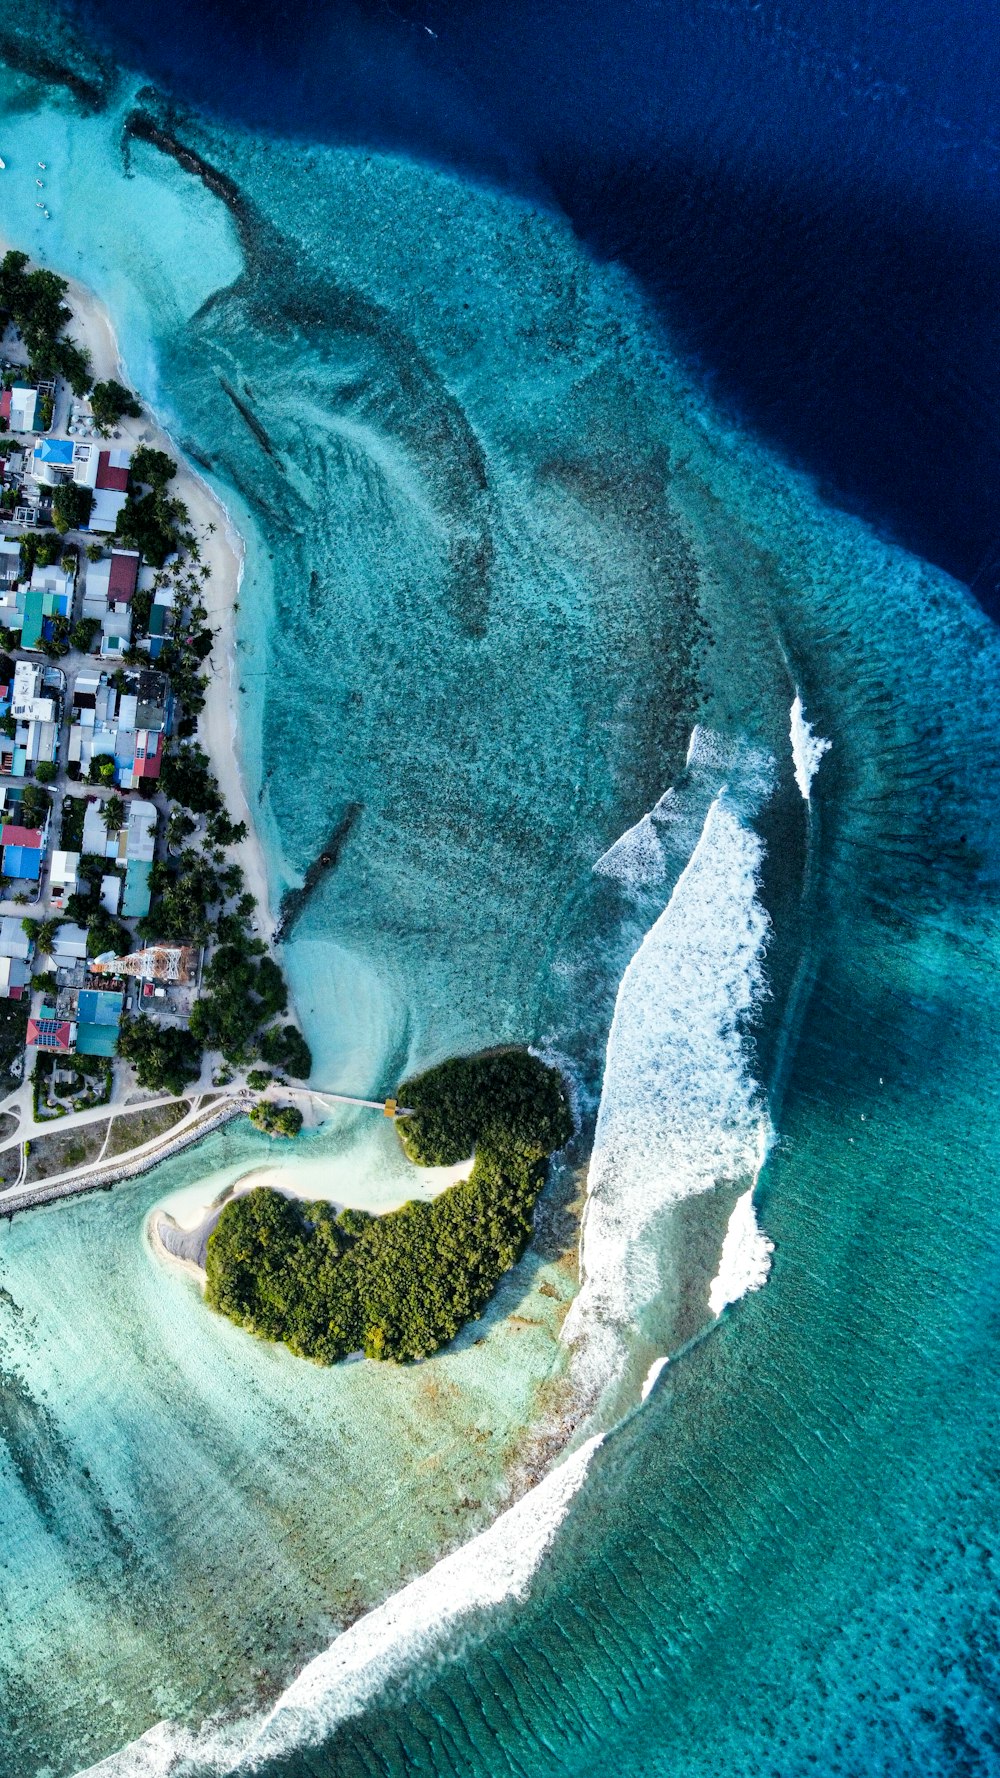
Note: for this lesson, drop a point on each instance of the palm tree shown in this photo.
(113, 814)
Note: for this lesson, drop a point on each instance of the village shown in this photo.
(131, 963)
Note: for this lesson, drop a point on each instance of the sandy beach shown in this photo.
(222, 551)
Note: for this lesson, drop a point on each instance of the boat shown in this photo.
(42, 165)
(3, 164)
(40, 182)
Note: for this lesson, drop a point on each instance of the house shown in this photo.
(69, 946)
(34, 706)
(56, 585)
(58, 582)
(116, 634)
(15, 958)
(123, 576)
(98, 1013)
(116, 620)
(110, 489)
(20, 408)
(148, 754)
(30, 700)
(48, 594)
(52, 461)
(111, 893)
(50, 1033)
(129, 725)
(97, 841)
(63, 878)
(23, 849)
(140, 849)
(95, 588)
(140, 832)
(6, 683)
(10, 562)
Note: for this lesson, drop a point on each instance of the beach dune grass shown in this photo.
(401, 1285)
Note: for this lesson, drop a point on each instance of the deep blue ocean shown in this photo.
(809, 193)
(758, 375)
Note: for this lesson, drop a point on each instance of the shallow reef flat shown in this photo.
(501, 558)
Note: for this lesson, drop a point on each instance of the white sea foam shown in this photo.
(496, 1565)
(745, 1260)
(807, 748)
(339, 1683)
(661, 841)
(168, 1750)
(679, 1109)
(655, 1370)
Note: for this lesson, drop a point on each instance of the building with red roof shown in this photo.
(49, 1033)
(123, 576)
(112, 471)
(148, 754)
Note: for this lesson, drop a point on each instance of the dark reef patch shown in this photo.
(294, 901)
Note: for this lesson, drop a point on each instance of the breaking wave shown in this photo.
(680, 1110)
(807, 748)
(745, 1260)
(495, 1566)
(659, 844)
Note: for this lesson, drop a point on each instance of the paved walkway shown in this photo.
(206, 1111)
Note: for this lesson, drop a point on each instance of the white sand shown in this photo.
(312, 1180)
(222, 551)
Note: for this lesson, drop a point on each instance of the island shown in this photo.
(328, 1284)
(141, 997)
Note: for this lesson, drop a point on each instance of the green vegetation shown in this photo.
(56, 642)
(165, 1060)
(34, 302)
(46, 771)
(399, 1286)
(84, 633)
(239, 993)
(284, 1046)
(113, 814)
(152, 469)
(186, 778)
(35, 803)
(44, 935)
(185, 894)
(39, 549)
(64, 1083)
(104, 934)
(13, 1033)
(111, 401)
(71, 505)
(284, 1120)
(152, 522)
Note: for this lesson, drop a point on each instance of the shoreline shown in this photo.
(223, 551)
(32, 1197)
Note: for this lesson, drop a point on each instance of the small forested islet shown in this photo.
(401, 1285)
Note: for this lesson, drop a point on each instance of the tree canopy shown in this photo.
(164, 1059)
(34, 302)
(71, 506)
(401, 1285)
(111, 401)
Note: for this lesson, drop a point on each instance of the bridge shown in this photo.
(388, 1107)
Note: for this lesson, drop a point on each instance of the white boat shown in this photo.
(3, 164)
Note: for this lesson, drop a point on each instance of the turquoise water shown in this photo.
(501, 558)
